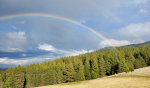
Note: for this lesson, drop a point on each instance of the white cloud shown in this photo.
(7, 62)
(143, 11)
(46, 47)
(17, 35)
(114, 43)
(11, 61)
(136, 31)
(25, 61)
(74, 52)
(13, 42)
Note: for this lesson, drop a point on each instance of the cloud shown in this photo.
(8, 62)
(143, 11)
(53, 53)
(17, 35)
(46, 47)
(114, 43)
(21, 22)
(137, 31)
(26, 61)
(73, 52)
(12, 42)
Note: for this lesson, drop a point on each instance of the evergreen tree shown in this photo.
(139, 62)
(69, 72)
(87, 70)
(108, 67)
(19, 78)
(130, 66)
(122, 67)
(59, 73)
(80, 72)
(9, 83)
(101, 64)
(94, 68)
(52, 76)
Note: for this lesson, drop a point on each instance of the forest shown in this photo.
(103, 62)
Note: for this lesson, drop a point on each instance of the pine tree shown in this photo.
(87, 70)
(94, 68)
(9, 83)
(49, 76)
(139, 62)
(59, 73)
(80, 72)
(108, 67)
(69, 72)
(130, 66)
(122, 67)
(52, 76)
(101, 64)
(19, 78)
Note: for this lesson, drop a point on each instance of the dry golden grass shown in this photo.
(140, 78)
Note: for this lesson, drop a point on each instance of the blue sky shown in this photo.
(28, 40)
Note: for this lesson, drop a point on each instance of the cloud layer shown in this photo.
(114, 42)
(53, 53)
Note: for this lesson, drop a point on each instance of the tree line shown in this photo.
(93, 65)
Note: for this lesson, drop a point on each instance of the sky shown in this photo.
(34, 39)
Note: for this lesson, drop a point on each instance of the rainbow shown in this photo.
(59, 18)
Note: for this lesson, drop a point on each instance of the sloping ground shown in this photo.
(140, 78)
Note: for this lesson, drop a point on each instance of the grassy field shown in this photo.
(140, 78)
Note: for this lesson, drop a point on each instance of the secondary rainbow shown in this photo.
(58, 18)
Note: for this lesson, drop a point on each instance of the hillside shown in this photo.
(140, 78)
(101, 63)
(141, 44)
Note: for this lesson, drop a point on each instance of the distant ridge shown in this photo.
(141, 44)
(131, 45)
